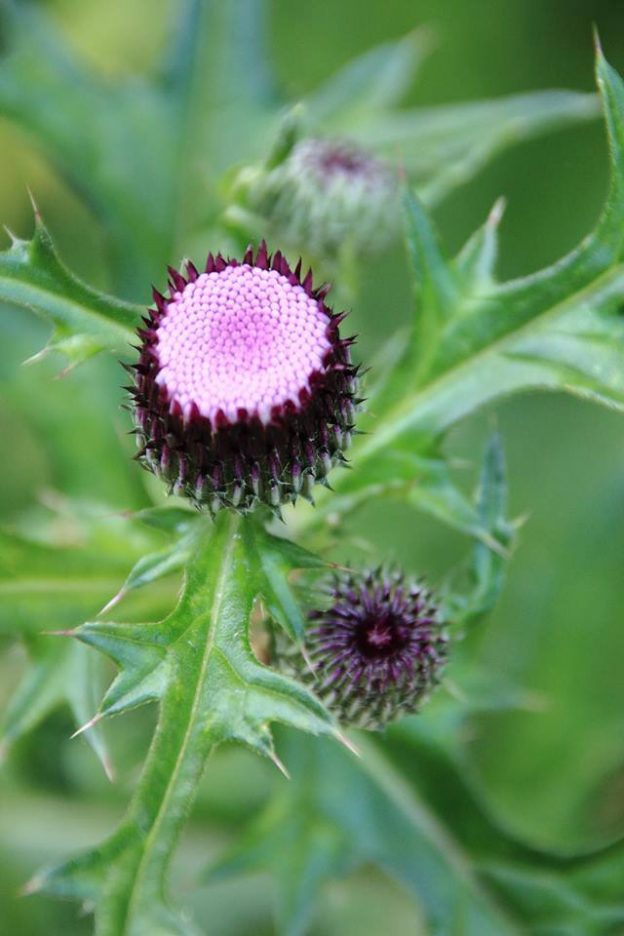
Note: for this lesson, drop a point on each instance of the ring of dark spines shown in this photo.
(225, 464)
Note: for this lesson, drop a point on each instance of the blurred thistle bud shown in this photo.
(318, 194)
(375, 653)
(244, 390)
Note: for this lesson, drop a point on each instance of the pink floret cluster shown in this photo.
(244, 339)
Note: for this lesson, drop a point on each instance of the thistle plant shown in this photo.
(353, 678)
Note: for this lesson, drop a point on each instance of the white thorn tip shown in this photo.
(36, 357)
(90, 724)
(280, 765)
(109, 770)
(347, 743)
(497, 211)
(32, 886)
(114, 601)
(306, 658)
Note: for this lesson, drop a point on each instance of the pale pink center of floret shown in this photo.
(244, 338)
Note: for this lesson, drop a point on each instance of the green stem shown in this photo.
(182, 742)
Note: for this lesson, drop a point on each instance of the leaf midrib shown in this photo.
(398, 419)
(50, 296)
(152, 836)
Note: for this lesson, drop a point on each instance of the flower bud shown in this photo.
(375, 653)
(325, 193)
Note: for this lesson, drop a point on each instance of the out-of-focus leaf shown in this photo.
(369, 84)
(443, 147)
(197, 116)
(321, 827)
(554, 774)
(85, 321)
(486, 567)
(101, 135)
(222, 87)
(50, 587)
(541, 892)
(53, 575)
(407, 806)
(58, 674)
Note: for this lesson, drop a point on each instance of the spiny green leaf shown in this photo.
(560, 329)
(140, 650)
(152, 567)
(476, 261)
(199, 663)
(424, 482)
(85, 321)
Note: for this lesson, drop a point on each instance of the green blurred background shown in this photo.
(553, 774)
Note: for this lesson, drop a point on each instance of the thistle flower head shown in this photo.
(326, 192)
(244, 390)
(375, 652)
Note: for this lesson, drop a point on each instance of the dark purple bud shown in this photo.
(375, 653)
